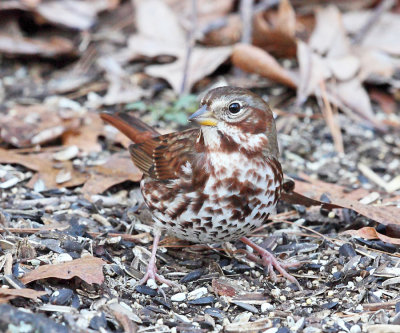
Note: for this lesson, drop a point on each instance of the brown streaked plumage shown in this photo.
(215, 183)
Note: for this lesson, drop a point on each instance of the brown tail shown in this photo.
(132, 127)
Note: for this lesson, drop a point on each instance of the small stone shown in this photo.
(346, 250)
(214, 312)
(179, 297)
(145, 290)
(355, 329)
(243, 317)
(275, 292)
(266, 307)
(312, 330)
(192, 276)
(197, 293)
(202, 301)
(66, 154)
(63, 257)
(247, 307)
(151, 283)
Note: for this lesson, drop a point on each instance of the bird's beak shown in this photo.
(204, 117)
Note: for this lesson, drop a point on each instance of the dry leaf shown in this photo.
(117, 169)
(203, 62)
(159, 33)
(25, 292)
(225, 287)
(371, 233)
(51, 47)
(310, 193)
(86, 136)
(330, 60)
(254, 60)
(382, 35)
(286, 22)
(25, 126)
(43, 164)
(73, 14)
(274, 31)
(89, 269)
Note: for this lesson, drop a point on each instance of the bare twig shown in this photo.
(246, 13)
(384, 6)
(190, 45)
(331, 120)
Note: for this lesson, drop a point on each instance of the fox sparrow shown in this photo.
(215, 183)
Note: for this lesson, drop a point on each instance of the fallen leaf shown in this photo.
(26, 126)
(86, 136)
(45, 169)
(255, 60)
(24, 292)
(371, 233)
(117, 169)
(330, 60)
(225, 287)
(310, 192)
(159, 33)
(89, 269)
(274, 30)
(51, 47)
(73, 14)
(203, 61)
(383, 33)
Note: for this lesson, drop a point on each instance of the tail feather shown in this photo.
(132, 127)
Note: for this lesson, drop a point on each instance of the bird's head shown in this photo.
(232, 116)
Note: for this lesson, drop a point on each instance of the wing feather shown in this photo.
(162, 157)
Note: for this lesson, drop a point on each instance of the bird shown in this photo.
(214, 183)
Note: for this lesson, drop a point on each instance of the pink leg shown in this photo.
(151, 272)
(271, 262)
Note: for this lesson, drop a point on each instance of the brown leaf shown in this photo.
(274, 31)
(255, 60)
(89, 269)
(25, 292)
(117, 169)
(382, 35)
(51, 47)
(371, 233)
(309, 194)
(203, 61)
(225, 287)
(43, 164)
(226, 35)
(286, 22)
(26, 126)
(73, 14)
(159, 33)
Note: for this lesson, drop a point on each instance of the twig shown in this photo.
(126, 237)
(384, 6)
(246, 13)
(190, 45)
(331, 121)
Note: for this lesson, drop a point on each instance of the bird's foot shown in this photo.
(269, 261)
(151, 273)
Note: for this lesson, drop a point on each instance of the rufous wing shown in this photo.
(162, 157)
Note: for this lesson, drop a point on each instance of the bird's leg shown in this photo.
(269, 260)
(151, 272)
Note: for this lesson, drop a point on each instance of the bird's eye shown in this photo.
(234, 108)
